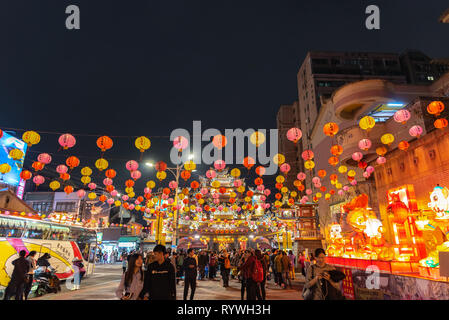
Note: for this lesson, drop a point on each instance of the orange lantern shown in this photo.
(26, 175)
(222, 190)
(435, 108)
(104, 143)
(333, 177)
(110, 173)
(64, 176)
(301, 188)
(403, 145)
(102, 198)
(161, 166)
(68, 189)
(194, 185)
(260, 170)
(279, 186)
(72, 162)
(330, 129)
(248, 162)
(278, 196)
(323, 189)
(37, 166)
(129, 183)
(440, 123)
(336, 150)
(185, 175)
(258, 181)
(321, 173)
(333, 161)
(110, 188)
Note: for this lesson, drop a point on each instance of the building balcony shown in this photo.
(307, 234)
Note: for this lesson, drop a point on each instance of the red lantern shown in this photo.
(103, 198)
(140, 199)
(362, 164)
(278, 196)
(333, 161)
(129, 183)
(68, 189)
(222, 190)
(185, 175)
(249, 193)
(26, 175)
(166, 191)
(161, 166)
(248, 162)
(104, 143)
(64, 176)
(279, 186)
(194, 185)
(323, 189)
(110, 188)
(440, 123)
(72, 162)
(37, 166)
(258, 181)
(111, 173)
(260, 170)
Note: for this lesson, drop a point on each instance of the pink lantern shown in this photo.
(357, 156)
(187, 218)
(220, 208)
(366, 175)
(302, 201)
(354, 182)
(170, 201)
(172, 185)
(285, 168)
(341, 192)
(402, 116)
(365, 144)
(316, 180)
(178, 207)
(307, 155)
(38, 180)
(306, 198)
(114, 193)
(81, 193)
(147, 210)
(260, 188)
(180, 143)
(318, 185)
(219, 165)
(199, 209)
(147, 190)
(132, 165)
(263, 198)
(107, 182)
(131, 207)
(67, 141)
(204, 191)
(381, 160)
(61, 169)
(309, 192)
(164, 196)
(301, 176)
(211, 174)
(416, 131)
(237, 183)
(294, 134)
(110, 201)
(44, 158)
(215, 196)
(369, 169)
(345, 188)
(216, 201)
(267, 192)
(92, 186)
(136, 174)
(125, 197)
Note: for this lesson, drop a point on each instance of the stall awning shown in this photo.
(128, 239)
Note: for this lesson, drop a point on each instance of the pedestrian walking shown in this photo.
(260, 290)
(248, 270)
(273, 265)
(78, 266)
(225, 267)
(292, 258)
(125, 263)
(19, 275)
(30, 276)
(190, 269)
(278, 268)
(212, 265)
(302, 260)
(203, 260)
(160, 278)
(286, 270)
(132, 281)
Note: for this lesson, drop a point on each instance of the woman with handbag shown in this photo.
(132, 281)
(319, 284)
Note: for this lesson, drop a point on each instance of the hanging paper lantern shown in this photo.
(68, 189)
(64, 176)
(180, 143)
(365, 144)
(1, 133)
(26, 175)
(132, 165)
(402, 116)
(258, 181)
(238, 183)
(351, 173)
(370, 169)
(136, 174)
(330, 129)
(294, 134)
(279, 179)
(219, 141)
(16, 154)
(322, 173)
(235, 173)
(92, 186)
(248, 162)
(260, 171)
(190, 165)
(215, 184)
(362, 164)
(107, 182)
(151, 184)
(336, 150)
(61, 169)
(44, 158)
(307, 155)
(129, 183)
(257, 138)
(72, 162)
(67, 141)
(403, 145)
(194, 185)
(333, 161)
(54, 185)
(279, 159)
(381, 151)
(342, 169)
(357, 156)
(267, 192)
(367, 123)
(31, 138)
(354, 182)
(435, 108)
(86, 171)
(185, 175)
(219, 165)
(85, 179)
(104, 143)
(37, 166)
(101, 164)
(333, 177)
(118, 203)
(110, 173)
(316, 180)
(102, 198)
(309, 164)
(81, 193)
(440, 123)
(301, 176)
(285, 168)
(143, 143)
(38, 180)
(110, 188)
(387, 139)
(381, 160)
(172, 185)
(416, 131)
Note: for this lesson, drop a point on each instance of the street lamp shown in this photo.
(149, 164)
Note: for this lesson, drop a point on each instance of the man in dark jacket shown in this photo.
(160, 278)
(274, 253)
(203, 260)
(189, 266)
(18, 277)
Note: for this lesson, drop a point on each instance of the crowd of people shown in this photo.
(154, 275)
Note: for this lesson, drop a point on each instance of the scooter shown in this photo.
(45, 282)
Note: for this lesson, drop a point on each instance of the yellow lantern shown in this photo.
(257, 138)
(338, 185)
(85, 179)
(327, 196)
(190, 165)
(387, 139)
(31, 138)
(117, 203)
(367, 123)
(235, 173)
(54, 185)
(342, 169)
(233, 194)
(5, 168)
(309, 164)
(201, 201)
(318, 195)
(131, 194)
(351, 173)
(16, 154)
(86, 171)
(143, 143)
(92, 195)
(161, 175)
(247, 199)
(277, 203)
(192, 208)
(284, 189)
(215, 184)
(293, 194)
(151, 184)
(129, 190)
(279, 159)
(280, 179)
(101, 164)
(241, 189)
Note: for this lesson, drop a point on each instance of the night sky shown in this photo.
(148, 67)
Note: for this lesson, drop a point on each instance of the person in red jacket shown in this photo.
(247, 269)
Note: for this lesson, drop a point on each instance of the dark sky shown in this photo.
(147, 67)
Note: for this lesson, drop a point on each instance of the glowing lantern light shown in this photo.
(142, 143)
(26, 175)
(258, 181)
(333, 161)
(294, 134)
(85, 179)
(44, 158)
(357, 156)
(72, 162)
(101, 164)
(370, 169)
(54, 185)
(365, 144)
(151, 184)
(161, 175)
(194, 185)
(402, 116)
(118, 203)
(81, 193)
(280, 179)
(235, 173)
(132, 165)
(381, 151)
(279, 159)
(37, 166)
(387, 139)
(185, 175)
(403, 145)
(219, 141)
(219, 165)
(440, 123)
(61, 169)
(285, 168)
(92, 186)
(110, 173)
(416, 131)
(316, 180)
(31, 138)
(342, 169)
(351, 173)
(301, 176)
(129, 183)
(136, 174)
(104, 143)
(67, 141)
(362, 164)
(16, 154)
(64, 176)
(336, 150)
(307, 155)
(38, 180)
(257, 138)
(260, 171)
(309, 164)
(330, 129)
(172, 185)
(68, 189)
(86, 171)
(367, 123)
(190, 165)
(107, 182)
(381, 160)
(435, 108)
(322, 173)
(180, 143)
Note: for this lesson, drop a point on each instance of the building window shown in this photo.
(42, 207)
(430, 78)
(65, 206)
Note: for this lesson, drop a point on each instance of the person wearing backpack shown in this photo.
(249, 271)
(225, 267)
(260, 290)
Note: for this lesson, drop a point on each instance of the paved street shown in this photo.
(102, 284)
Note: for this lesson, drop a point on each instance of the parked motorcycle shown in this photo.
(45, 282)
